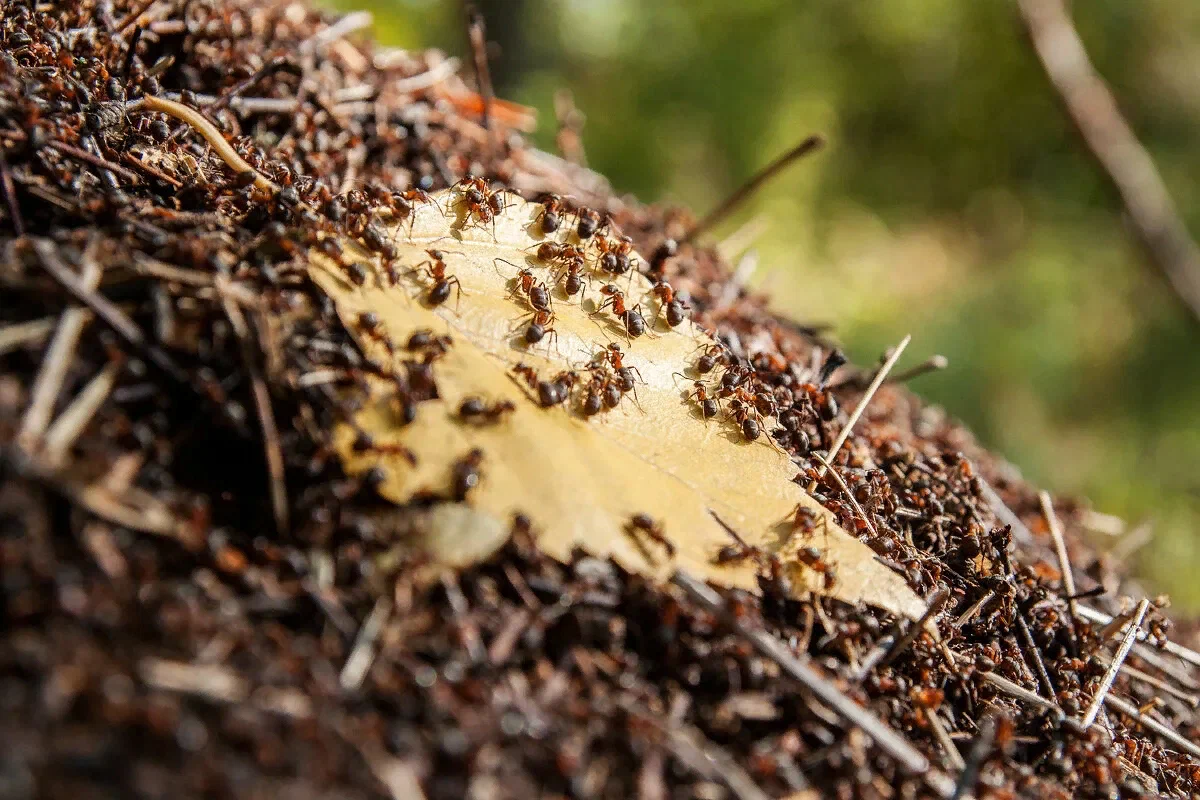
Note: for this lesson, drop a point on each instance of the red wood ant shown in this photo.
(364, 442)
(465, 475)
(424, 339)
(709, 405)
(614, 256)
(550, 217)
(631, 318)
(573, 282)
(403, 204)
(476, 410)
(541, 325)
(589, 223)
(811, 558)
(713, 354)
(674, 307)
(772, 577)
(435, 268)
(549, 393)
(623, 375)
(482, 203)
(369, 323)
(556, 252)
(644, 525)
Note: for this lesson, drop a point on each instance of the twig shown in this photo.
(266, 415)
(731, 203)
(1133, 673)
(1005, 514)
(1111, 674)
(95, 160)
(934, 606)
(944, 741)
(211, 681)
(477, 35)
(692, 748)
(932, 364)
(846, 491)
(10, 196)
(22, 333)
(363, 653)
(979, 753)
(907, 756)
(103, 308)
(975, 608)
(343, 27)
(569, 137)
(1060, 549)
(133, 15)
(1131, 711)
(1175, 649)
(57, 359)
(1035, 655)
(1114, 146)
(862, 406)
(1021, 693)
(75, 417)
(427, 79)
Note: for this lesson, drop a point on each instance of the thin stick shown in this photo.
(880, 377)
(108, 312)
(207, 130)
(934, 363)
(1114, 146)
(477, 34)
(905, 755)
(363, 653)
(1174, 648)
(1020, 692)
(934, 606)
(846, 491)
(343, 27)
(266, 415)
(427, 79)
(1005, 514)
(1131, 711)
(1060, 549)
(979, 752)
(133, 15)
(75, 417)
(22, 333)
(94, 160)
(1133, 673)
(10, 196)
(1035, 655)
(944, 741)
(731, 203)
(975, 608)
(57, 359)
(1111, 674)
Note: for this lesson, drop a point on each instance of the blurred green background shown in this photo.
(953, 201)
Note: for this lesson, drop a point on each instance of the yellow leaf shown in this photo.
(578, 478)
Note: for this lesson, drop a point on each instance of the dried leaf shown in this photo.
(578, 479)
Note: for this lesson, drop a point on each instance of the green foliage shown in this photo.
(954, 202)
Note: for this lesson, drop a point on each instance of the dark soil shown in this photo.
(178, 609)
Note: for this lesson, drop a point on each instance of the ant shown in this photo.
(552, 209)
(465, 474)
(424, 338)
(589, 223)
(631, 318)
(773, 577)
(483, 203)
(370, 324)
(614, 256)
(562, 253)
(364, 442)
(811, 558)
(675, 309)
(549, 393)
(541, 324)
(613, 357)
(713, 354)
(435, 268)
(475, 410)
(573, 282)
(644, 525)
(403, 204)
(709, 405)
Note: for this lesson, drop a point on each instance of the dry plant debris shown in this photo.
(197, 599)
(625, 439)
